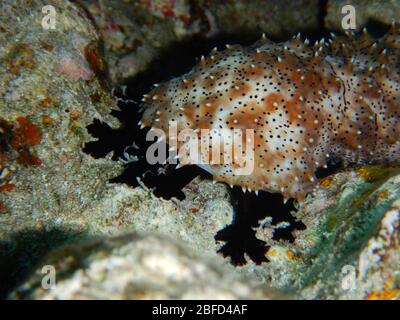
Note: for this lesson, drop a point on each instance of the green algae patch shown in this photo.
(348, 225)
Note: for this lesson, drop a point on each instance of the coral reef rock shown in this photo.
(376, 11)
(138, 267)
(135, 33)
(55, 82)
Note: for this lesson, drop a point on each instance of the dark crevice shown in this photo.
(323, 9)
(249, 210)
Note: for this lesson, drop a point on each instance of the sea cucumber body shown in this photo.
(336, 99)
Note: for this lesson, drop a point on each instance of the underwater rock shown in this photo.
(53, 86)
(350, 248)
(136, 266)
(278, 18)
(194, 221)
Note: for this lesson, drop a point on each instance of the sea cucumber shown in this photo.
(335, 100)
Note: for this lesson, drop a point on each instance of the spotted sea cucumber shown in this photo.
(337, 99)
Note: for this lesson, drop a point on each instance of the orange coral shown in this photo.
(7, 187)
(24, 137)
(383, 295)
(46, 119)
(194, 210)
(326, 182)
(94, 59)
(28, 159)
(74, 115)
(46, 102)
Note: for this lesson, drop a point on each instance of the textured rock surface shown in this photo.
(139, 267)
(53, 83)
(352, 229)
(51, 88)
(380, 11)
(136, 32)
